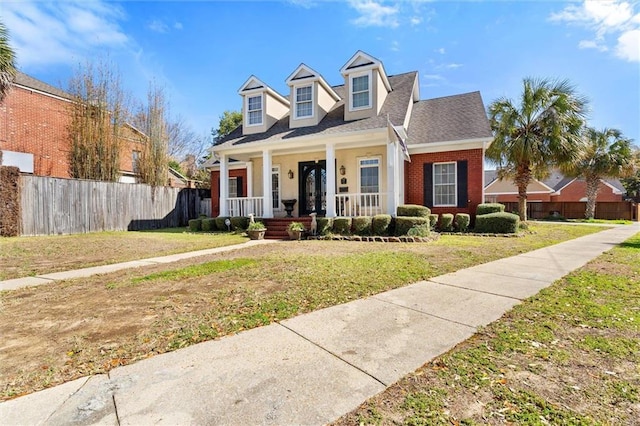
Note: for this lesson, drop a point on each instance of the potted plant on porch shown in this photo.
(295, 230)
(256, 230)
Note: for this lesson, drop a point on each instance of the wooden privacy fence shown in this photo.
(70, 206)
(575, 210)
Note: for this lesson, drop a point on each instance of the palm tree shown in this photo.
(542, 131)
(605, 153)
(7, 62)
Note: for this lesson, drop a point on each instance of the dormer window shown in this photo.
(304, 102)
(254, 110)
(360, 89)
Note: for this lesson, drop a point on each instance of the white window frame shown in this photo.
(351, 92)
(275, 170)
(235, 180)
(296, 102)
(360, 167)
(248, 112)
(455, 184)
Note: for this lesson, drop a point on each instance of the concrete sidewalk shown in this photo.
(313, 368)
(105, 269)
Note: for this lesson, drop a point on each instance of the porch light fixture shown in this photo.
(342, 170)
(290, 174)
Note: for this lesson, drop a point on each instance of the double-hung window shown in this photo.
(444, 184)
(233, 187)
(369, 180)
(304, 102)
(254, 110)
(361, 91)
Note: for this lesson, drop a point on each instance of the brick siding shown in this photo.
(215, 188)
(577, 190)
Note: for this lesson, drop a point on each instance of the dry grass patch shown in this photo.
(57, 332)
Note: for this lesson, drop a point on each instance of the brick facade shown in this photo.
(37, 123)
(215, 187)
(414, 179)
(513, 198)
(577, 190)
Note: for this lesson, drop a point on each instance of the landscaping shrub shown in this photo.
(325, 225)
(220, 223)
(209, 224)
(497, 223)
(413, 210)
(381, 225)
(487, 208)
(462, 221)
(433, 220)
(446, 222)
(362, 225)
(239, 223)
(342, 225)
(195, 225)
(404, 224)
(419, 230)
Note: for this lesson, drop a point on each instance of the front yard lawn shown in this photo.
(567, 356)
(28, 256)
(60, 331)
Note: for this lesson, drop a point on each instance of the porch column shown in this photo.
(331, 181)
(266, 184)
(250, 179)
(393, 180)
(224, 185)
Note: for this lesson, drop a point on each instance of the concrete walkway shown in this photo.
(105, 269)
(313, 368)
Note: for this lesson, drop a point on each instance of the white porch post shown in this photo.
(266, 184)
(331, 181)
(250, 179)
(224, 185)
(393, 184)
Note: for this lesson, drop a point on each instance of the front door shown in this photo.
(313, 187)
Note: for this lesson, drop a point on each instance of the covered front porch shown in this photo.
(350, 179)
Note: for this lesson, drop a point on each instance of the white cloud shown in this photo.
(63, 32)
(440, 51)
(452, 66)
(395, 46)
(158, 26)
(432, 77)
(612, 21)
(628, 47)
(374, 14)
(178, 26)
(415, 20)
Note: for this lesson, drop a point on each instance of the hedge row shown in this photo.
(212, 224)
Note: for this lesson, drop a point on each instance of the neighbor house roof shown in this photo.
(29, 82)
(450, 118)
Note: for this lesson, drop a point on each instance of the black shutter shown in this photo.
(428, 184)
(239, 185)
(463, 193)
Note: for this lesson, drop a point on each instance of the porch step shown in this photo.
(277, 227)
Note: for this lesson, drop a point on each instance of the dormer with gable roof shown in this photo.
(310, 96)
(366, 84)
(262, 106)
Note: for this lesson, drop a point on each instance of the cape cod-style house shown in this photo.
(358, 148)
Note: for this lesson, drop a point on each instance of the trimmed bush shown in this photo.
(325, 225)
(195, 225)
(404, 224)
(497, 223)
(487, 208)
(419, 231)
(446, 222)
(462, 221)
(209, 224)
(381, 225)
(239, 223)
(362, 225)
(433, 220)
(342, 225)
(413, 210)
(220, 223)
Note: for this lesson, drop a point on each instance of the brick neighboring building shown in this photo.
(34, 117)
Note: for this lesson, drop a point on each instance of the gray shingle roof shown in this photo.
(490, 176)
(395, 105)
(32, 83)
(450, 118)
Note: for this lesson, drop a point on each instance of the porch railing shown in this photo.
(243, 206)
(359, 204)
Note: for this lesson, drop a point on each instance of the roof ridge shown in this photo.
(457, 95)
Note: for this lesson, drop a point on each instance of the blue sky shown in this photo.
(202, 51)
